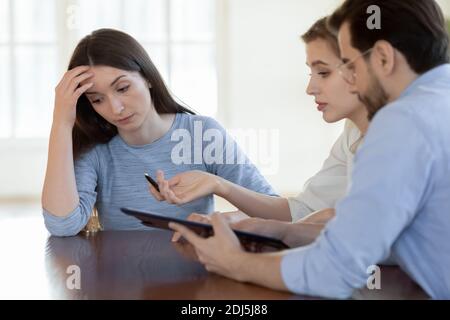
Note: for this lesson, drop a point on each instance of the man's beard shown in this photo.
(376, 98)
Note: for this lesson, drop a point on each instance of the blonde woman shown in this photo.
(321, 192)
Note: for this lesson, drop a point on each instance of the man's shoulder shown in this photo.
(426, 107)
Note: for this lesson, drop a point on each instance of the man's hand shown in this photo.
(320, 216)
(231, 217)
(220, 253)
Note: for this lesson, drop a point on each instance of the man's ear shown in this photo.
(384, 57)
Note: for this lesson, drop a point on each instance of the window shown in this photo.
(179, 36)
(28, 55)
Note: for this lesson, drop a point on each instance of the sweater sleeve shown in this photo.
(86, 168)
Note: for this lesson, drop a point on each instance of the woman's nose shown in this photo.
(116, 107)
(311, 89)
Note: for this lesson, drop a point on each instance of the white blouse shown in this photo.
(331, 183)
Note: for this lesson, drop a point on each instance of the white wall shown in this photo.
(263, 80)
(22, 168)
(445, 5)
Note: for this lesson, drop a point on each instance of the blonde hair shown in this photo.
(319, 30)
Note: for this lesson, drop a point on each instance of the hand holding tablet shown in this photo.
(250, 241)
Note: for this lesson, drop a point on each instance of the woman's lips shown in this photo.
(125, 120)
(321, 106)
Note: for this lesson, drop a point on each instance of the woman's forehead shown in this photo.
(320, 50)
(105, 77)
(109, 72)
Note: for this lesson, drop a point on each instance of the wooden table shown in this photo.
(133, 265)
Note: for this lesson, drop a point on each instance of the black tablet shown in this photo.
(250, 241)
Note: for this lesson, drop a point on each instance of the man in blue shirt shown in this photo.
(399, 200)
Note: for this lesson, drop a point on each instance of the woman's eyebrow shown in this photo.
(315, 63)
(112, 83)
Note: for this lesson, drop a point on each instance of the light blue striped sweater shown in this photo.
(111, 176)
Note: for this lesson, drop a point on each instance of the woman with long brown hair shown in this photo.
(114, 119)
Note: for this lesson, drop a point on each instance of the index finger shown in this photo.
(176, 236)
(160, 176)
(198, 218)
(155, 193)
(189, 235)
(72, 73)
(221, 225)
(78, 69)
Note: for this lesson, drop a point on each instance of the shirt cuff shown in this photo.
(291, 270)
(304, 272)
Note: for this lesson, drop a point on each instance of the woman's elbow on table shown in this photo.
(66, 226)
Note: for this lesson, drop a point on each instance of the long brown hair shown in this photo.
(113, 48)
